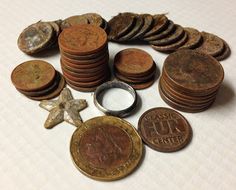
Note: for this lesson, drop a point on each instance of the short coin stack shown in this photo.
(84, 56)
(190, 80)
(37, 80)
(135, 67)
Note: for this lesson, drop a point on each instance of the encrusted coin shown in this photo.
(225, 53)
(164, 129)
(106, 148)
(33, 75)
(94, 19)
(35, 37)
(73, 21)
(194, 38)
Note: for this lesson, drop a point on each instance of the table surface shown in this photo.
(32, 157)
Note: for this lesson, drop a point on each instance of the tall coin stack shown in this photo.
(84, 56)
(190, 80)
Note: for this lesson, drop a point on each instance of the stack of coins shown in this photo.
(37, 80)
(190, 80)
(84, 56)
(135, 67)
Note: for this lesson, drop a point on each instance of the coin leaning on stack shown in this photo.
(190, 80)
(84, 56)
(38, 80)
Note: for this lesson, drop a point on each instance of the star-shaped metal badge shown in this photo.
(65, 108)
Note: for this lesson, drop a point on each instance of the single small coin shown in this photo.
(106, 148)
(194, 38)
(94, 19)
(35, 37)
(133, 61)
(82, 39)
(53, 93)
(171, 38)
(193, 71)
(164, 129)
(211, 44)
(225, 54)
(163, 34)
(33, 75)
(172, 47)
(73, 21)
(147, 24)
(120, 25)
(160, 21)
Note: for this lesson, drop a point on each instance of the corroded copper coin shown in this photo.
(73, 21)
(194, 38)
(133, 62)
(94, 19)
(225, 53)
(33, 75)
(164, 129)
(212, 44)
(82, 39)
(35, 37)
(106, 148)
(143, 85)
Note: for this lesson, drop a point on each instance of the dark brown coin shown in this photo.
(171, 38)
(193, 71)
(53, 93)
(133, 62)
(160, 21)
(82, 89)
(136, 28)
(147, 24)
(120, 25)
(194, 38)
(164, 129)
(94, 19)
(172, 47)
(106, 148)
(212, 44)
(163, 34)
(73, 21)
(143, 85)
(225, 54)
(82, 39)
(33, 75)
(35, 37)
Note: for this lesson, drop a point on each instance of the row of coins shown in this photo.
(38, 80)
(164, 35)
(84, 56)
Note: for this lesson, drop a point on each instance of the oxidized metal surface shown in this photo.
(82, 39)
(33, 75)
(94, 19)
(73, 21)
(194, 38)
(226, 52)
(106, 148)
(65, 108)
(164, 129)
(193, 71)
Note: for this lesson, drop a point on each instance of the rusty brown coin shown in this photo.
(106, 148)
(82, 39)
(133, 62)
(143, 85)
(33, 75)
(194, 38)
(226, 52)
(164, 129)
(94, 19)
(73, 21)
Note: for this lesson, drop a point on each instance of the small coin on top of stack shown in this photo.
(38, 80)
(84, 56)
(135, 67)
(190, 80)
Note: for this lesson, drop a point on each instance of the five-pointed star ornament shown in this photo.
(65, 108)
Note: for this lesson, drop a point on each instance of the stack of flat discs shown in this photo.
(84, 56)
(37, 80)
(190, 80)
(135, 67)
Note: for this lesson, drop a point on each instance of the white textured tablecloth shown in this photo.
(32, 157)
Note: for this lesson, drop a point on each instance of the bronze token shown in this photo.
(73, 21)
(35, 37)
(225, 54)
(194, 38)
(171, 38)
(160, 21)
(193, 71)
(82, 39)
(133, 61)
(120, 25)
(33, 75)
(212, 44)
(52, 94)
(106, 148)
(163, 34)
(164, 129)
(94, 19)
